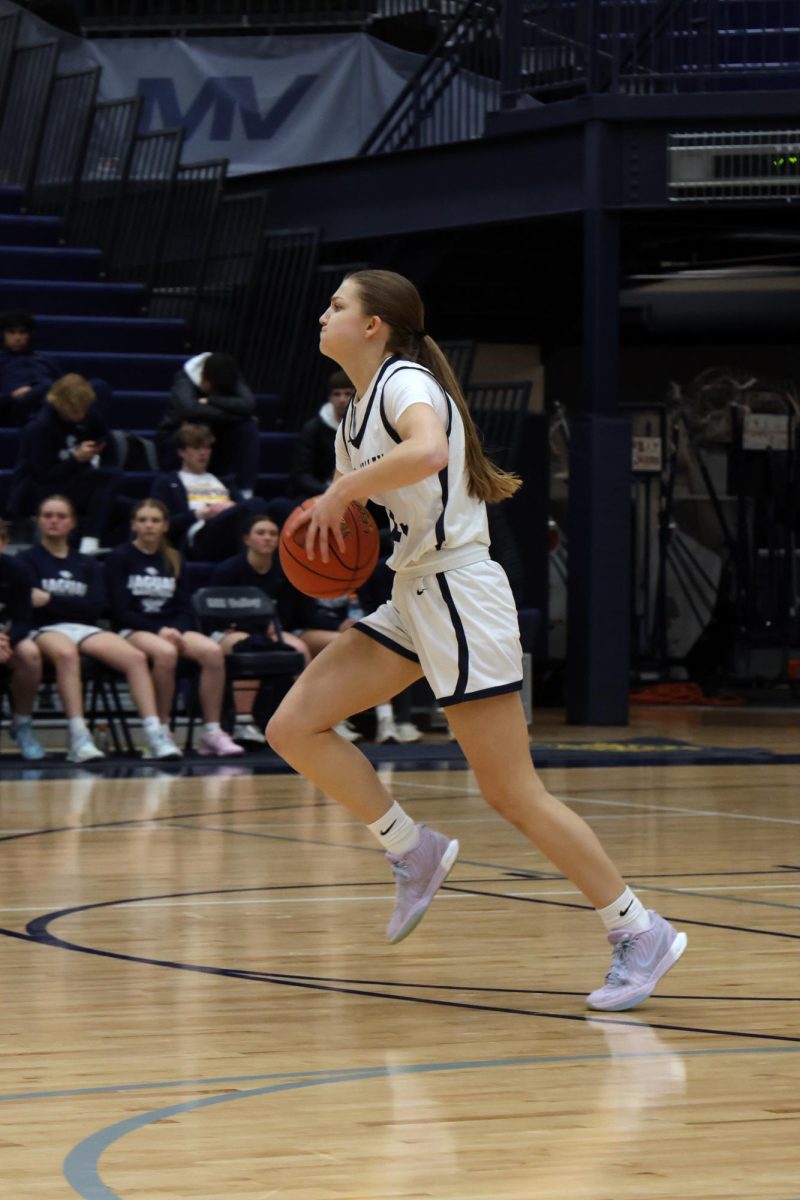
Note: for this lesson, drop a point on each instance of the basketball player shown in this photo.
(407, 442)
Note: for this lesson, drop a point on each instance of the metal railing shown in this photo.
(175, 16)
(497, 54)
(143, 205)
(456, 85)
(63, 141)
(91, 208)
(31, 72)
(271, 333)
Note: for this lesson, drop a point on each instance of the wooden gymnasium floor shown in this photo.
(198, 1001)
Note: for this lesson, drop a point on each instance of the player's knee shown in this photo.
(279, 733)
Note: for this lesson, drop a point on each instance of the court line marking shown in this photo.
(339, 899)
(38, 931)
(396, 1069)
(660, 808)
(153, 1085)
(82, 1164)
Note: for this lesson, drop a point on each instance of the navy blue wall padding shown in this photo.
(10, 198)
(142, 335)
(276, 451)
(30, 231)
(148, 372)
(5, 484)
(49, 262)
(598, 611)
(102, 299)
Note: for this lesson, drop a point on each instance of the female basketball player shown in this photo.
(407, 441)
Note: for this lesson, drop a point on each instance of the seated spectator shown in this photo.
(203, 513)
(66, 447)
(209, 390)
(314, 455)
(68, 597)
(26, 375)
(258, 566)
(19, 655)
(149, 601)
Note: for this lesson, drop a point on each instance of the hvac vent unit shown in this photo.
(747, 165)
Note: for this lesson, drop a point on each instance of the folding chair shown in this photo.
(223, 606)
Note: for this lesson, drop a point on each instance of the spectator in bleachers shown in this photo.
(27, 375)
(314, 459)
(68, 598)
(19, 654)
(149, 600)
(205, 515)
(258, 566)
(210, 390)
(66, 447)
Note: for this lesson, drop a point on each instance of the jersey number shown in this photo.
(397, 531)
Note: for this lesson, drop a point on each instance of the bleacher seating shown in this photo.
(99, 330)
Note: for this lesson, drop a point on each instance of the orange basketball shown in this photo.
(342, 573)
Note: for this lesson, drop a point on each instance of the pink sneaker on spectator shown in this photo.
(419, 874)
(219, 744)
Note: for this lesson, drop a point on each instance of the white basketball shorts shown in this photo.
(461, 627)
(76, 632)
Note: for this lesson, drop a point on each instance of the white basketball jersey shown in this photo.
(430, 519)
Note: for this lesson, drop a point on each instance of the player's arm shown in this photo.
(422, 451)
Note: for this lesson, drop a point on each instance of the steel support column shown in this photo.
(598, 647)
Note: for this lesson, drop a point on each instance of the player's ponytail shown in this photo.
(397, 302)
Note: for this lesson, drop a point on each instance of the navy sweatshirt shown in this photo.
(237, 572)
(48, 441)
(143, 592)
(15, 600)
(27, 368)
(75, 584)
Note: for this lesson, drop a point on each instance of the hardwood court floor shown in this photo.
(198, 1000)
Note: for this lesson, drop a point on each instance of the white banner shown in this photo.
(261, 102)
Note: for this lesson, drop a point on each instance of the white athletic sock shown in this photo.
(211, 727)
(626, 913)
(384, 712)
(152, 726)
(20, 719)
(395, 831)
(89, 545)
(77, 728)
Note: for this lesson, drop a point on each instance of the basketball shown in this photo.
(343, 572)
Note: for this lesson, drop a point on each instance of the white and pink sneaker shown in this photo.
(219, 744)
(637, 963)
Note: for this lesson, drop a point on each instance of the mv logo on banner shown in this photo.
(222, 96)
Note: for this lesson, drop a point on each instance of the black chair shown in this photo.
(217, 607)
